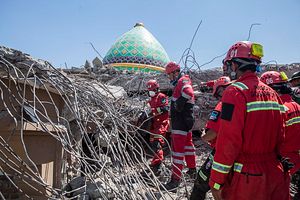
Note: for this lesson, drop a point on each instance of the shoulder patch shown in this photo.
(227, 111)
(214, 115)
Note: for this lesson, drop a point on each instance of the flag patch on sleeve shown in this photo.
(214, 115)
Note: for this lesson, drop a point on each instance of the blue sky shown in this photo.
(60, 30)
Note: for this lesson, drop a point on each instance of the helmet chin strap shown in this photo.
(245, 63)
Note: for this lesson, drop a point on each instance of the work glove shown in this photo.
(286, 164)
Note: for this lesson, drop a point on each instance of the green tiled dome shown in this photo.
(137, 49)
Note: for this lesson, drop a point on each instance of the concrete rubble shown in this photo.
(87, 116)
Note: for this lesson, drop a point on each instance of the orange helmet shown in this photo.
(222, 81)
(171, 67)
(273, 77)
(152, 85)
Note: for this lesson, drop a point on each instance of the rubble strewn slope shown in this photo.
(75, 132)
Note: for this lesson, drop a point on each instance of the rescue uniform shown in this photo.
(291, 145)
(245, 164)
(160, 125)
(182, 121)
(201, 186)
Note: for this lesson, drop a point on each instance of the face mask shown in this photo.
(233, 75)
(230, 72)
(152, 93)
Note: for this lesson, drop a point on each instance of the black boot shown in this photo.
(200, 189)
(171, 186)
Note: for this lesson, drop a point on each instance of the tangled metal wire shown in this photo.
(95, 130)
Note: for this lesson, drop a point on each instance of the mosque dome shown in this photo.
(137, 50)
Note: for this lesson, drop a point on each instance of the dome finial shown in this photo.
(139, 24)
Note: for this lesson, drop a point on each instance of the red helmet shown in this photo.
(171, 67)
(273, 77)
(152, 85)
(222, 81)
(245, 49)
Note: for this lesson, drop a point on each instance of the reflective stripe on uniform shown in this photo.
(237, 167)
(179, 132)
(285, 108)
(189, 153)
(264, 105)
(202, 175)
(211, 157)
(240, 85)
(177, 161)
(221, 167)
(183, 94)
(186, 86)
(292, 121)
(178, 154)
(189, 147)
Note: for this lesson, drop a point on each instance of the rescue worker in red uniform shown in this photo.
(182, 121)
(291, 146)
(201, 186)
(252, 129)
(160, 123)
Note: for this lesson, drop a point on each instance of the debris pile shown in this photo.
(89, 123)
(73, 133)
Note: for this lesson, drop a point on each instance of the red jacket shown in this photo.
(291, 145)
(159, 107)
(160, 112)
(182, 104)
(292, 136)
(252, 127)
(214, 121)
(184, 88)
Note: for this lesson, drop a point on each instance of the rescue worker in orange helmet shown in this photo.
(182, 121)
(160, 123)
(291, 146)
(201, 186)
(252, 129)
